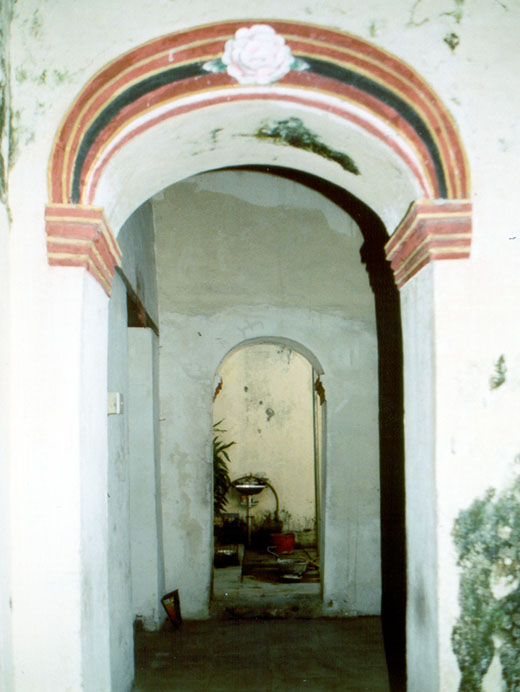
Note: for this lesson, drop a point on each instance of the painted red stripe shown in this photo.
(347, 49)
(411, 88)
(91, 241)
(71, 255)
(86, 225)
(74, 213)
(420, 240)
(85, 111)
(64, 229)
(308, 79)
(244, 97)
(392, 119)
(443, 212)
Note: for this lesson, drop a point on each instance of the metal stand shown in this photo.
(248, 486)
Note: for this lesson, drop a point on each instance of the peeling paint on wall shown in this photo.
(487, 537)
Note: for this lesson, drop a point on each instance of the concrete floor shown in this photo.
(273, 655)
(238, 596)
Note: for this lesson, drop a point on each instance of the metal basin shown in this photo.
(249, 487)
(291, 568)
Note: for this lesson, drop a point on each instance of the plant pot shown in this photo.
(283, 542)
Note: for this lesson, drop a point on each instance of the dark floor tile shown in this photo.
(305, 667)
(299, 684)
(263, 656)
(258, 680)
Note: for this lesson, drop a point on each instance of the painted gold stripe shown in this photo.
(67, 255)
(114, 94)
(413, 227)
(76, 207)
(88, 172)
(450, 249)
(332, 40)
(427, 247)
(111, 243)
(98, 224)
(405, 274)
(355, 68)
(105, 281)
(72, 151)
(81, 243)
(93, 252)
(428, 252)
(65, 240)
(414, 257)
(410, 223)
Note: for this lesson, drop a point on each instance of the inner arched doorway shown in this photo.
(268, 415)
(400, 154)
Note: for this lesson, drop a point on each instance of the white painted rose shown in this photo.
(257, 55)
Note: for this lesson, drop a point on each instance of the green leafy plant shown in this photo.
(221, 478)
(487, 538)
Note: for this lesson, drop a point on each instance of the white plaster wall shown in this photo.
(58, 522)
(6, 672)
(418, 324)
(239, 258)
(145, 493)
(266, 407)
(467, 463)
(96, 656)
(5, 587)
(179, 150)
(119, 563)
(136, 242)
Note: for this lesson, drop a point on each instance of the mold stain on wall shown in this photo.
(422, 12)
(452, 40)
(293, 132)
(3, 127)
(5, 114)
(498, 377)
(487, 538)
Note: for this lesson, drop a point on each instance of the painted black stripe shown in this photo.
(382, 93)
(134, 92)
(319, 67)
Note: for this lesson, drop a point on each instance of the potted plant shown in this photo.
(283, 541)
(221, 478)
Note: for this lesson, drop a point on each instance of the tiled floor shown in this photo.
(274, 655)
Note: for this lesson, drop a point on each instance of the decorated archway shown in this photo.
(306, 98)
(346, 81)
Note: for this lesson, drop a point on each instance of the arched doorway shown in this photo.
(268, 407)
(298, 252)
(399, 148)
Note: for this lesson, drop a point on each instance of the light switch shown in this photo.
(115, 403)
